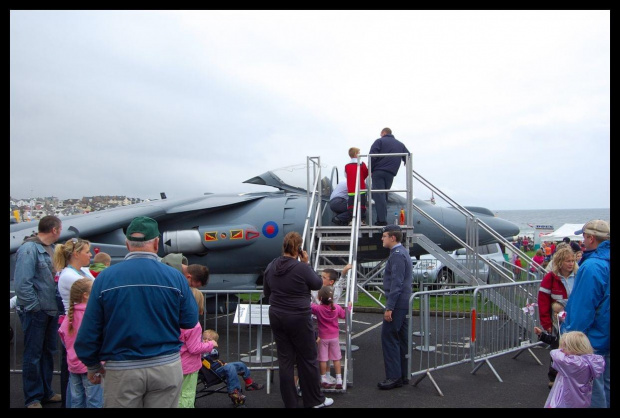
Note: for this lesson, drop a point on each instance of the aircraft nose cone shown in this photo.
(503, 227)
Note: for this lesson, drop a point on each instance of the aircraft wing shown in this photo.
(109, 220)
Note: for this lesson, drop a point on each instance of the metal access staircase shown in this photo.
(334, 247)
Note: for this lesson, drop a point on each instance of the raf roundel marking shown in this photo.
(270, 229)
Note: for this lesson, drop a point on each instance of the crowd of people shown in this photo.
(544, 254)
(574, 311)
(57, 295)
(45, 274)
(524, 243)
(60, 293)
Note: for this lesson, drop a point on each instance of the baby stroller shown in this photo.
(212, 383)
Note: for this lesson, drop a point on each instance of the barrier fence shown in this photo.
(242, 324)
(462, 325)
(470, 325)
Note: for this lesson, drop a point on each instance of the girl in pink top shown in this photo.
(84, 394)
(191, 355)
(327, 314)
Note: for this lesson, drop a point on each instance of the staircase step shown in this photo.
(339, 240)
(347, 228)
(334, 253)
(337, 267)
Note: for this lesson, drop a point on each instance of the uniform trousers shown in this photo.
(394, 345)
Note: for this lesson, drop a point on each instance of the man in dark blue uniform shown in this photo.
(397, 285)
(384, 169)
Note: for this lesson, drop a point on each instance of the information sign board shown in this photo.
(255, 314)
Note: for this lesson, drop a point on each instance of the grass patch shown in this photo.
(448, 302)
(247, 297)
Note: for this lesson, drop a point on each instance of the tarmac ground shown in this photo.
(524, 381)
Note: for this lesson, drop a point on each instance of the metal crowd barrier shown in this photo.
(470, 325)
(462, 325)
(243, 327)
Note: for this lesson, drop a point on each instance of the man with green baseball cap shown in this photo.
(142, 229)
(142, 362)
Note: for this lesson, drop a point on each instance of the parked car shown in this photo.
(431, 271)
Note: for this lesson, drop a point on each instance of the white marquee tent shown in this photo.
(566, 230)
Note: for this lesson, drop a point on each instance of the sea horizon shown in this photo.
(502, 210)
(526, 218)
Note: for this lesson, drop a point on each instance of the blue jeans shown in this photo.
(64, 378)
(230, 371)
(40, 340)
(83, 393)
(601, 390)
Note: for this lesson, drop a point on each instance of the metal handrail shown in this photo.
(472, 243)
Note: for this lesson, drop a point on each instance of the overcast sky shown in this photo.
(501, 109)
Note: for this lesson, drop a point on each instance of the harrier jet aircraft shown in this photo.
(237, 235)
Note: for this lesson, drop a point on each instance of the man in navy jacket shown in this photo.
(132, 322)
(384, 169)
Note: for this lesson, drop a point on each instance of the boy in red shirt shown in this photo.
(350, 173)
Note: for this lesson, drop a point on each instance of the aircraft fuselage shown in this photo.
(237, 235)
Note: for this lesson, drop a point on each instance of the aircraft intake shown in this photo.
(186, 242)
(210, 238)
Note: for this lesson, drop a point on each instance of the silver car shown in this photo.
(428, 270)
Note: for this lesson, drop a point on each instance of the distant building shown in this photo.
(31, 209)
